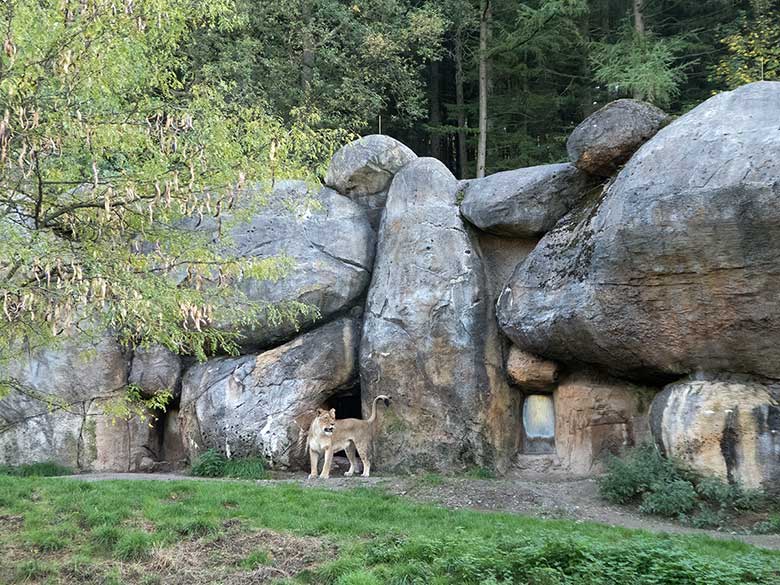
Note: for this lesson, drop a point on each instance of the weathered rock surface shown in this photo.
(526, 202)
(330, 241)
(677, 267)
(500, 256)
(530, 372)
(608, 137)
(363, 170)
(256, 405)
(596, 416)
(173, 450)
(726, 427)
(46, 420)
(429, 336)
(112, 443)
(155, 369)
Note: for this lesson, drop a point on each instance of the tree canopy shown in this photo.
(108, 139)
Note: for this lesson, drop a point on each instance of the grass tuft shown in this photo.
(256, 559)
(132, 545)
(42, 469)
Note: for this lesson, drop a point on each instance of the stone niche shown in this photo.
(538, 422)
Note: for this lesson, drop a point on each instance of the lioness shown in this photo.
(328, 435)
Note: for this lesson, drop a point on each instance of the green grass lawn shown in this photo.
(146, 532)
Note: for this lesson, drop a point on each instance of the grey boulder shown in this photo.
(330, 242)
(261, 404)
(362, 170)
(429, 336)
(726, 427)
(523, 203)
(676, 268)
(607, 138)
(155, 369)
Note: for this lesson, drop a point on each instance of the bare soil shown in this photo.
(542, 495)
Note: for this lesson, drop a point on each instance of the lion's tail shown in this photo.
(372, 418)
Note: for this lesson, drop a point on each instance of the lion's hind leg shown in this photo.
(363, 451)
(352, 456)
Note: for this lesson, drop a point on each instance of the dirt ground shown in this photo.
(531, 494)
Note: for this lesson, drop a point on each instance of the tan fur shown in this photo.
(328, 435)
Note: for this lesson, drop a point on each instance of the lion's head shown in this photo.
(326, 420)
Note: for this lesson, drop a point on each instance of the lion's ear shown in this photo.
(333, 412)
(320, 411)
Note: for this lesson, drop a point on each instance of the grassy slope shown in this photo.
(382, 539)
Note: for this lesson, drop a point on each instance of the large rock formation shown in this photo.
(523, 203)
(429, 336)
(363, 170)
(723, 427)
(677, 266)
(259, 404)
(596, 416)
(607, 138)
(46, 418)
(328, 238)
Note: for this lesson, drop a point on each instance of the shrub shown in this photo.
(672, 499)
(627, 479)
(662, 487)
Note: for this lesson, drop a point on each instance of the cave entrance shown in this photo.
(347, 403)
(538, 422)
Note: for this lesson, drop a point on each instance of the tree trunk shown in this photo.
(435, 120)
(460, 103)
(484, 31)
(639, 19)
(639, 27)
(307, 58)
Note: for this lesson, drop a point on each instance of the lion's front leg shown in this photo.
(314, 460)
(326, 466)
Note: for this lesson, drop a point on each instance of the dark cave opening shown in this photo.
(347, 403)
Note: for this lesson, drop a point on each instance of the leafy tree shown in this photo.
(753, 48)
(349, 61)
(107, 142)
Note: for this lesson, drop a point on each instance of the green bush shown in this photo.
(662, 487)
(211, 463)
(42, 469)
(675, 498)
(628, 478)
